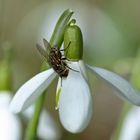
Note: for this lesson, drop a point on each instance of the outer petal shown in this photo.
(131, 125)
(125, 90)
(28, 93)
(75, 103)
(10, 126)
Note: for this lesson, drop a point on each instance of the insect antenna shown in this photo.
(72, 69)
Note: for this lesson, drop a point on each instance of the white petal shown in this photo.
(131, 125)
(47, 129)
(75, 103)
(124, 89)
(28, 113)
(5, 98)
(10, 126)
(29, 92)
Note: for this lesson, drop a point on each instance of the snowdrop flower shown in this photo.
(73, 97)
(131, 125)
(10, 126)
(47, 129)
(74, 102)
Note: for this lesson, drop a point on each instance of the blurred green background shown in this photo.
(111, 31)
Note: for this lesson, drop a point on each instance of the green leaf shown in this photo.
(58, 34)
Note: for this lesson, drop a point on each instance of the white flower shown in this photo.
(75, 101)
(10, 126)
(131, 125)
(47, 128)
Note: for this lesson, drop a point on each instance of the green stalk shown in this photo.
(5, 69)
(56, 39)
(31, 133)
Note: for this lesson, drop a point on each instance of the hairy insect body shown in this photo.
(57, 63)
(54, 57)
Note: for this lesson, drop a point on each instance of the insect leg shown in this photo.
(64, 58)
(72, 69)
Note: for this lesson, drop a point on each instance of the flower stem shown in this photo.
(31, 133)
(5, 69)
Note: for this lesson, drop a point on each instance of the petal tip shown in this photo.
(74, 128)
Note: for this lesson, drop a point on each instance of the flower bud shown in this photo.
(73, 42)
